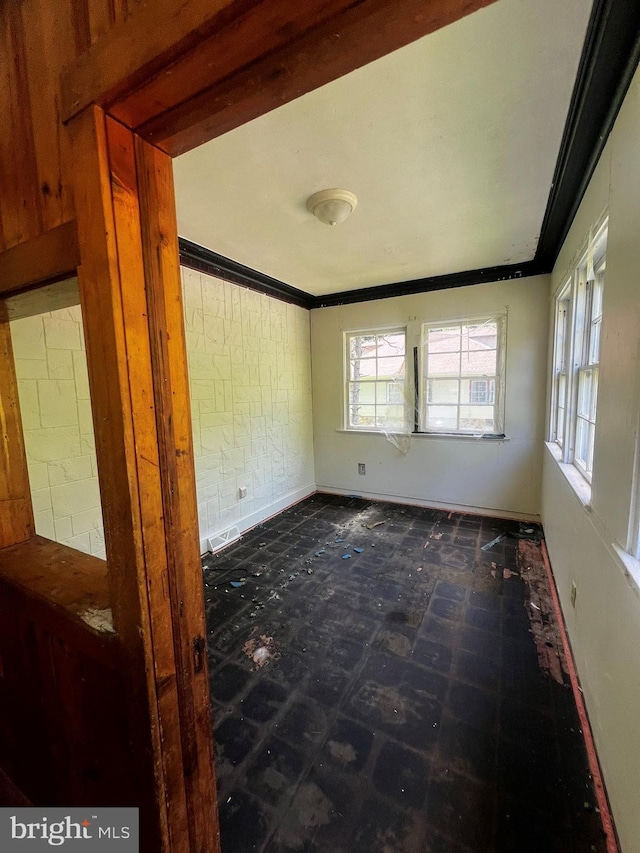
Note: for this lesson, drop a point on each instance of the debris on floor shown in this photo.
(414, 702)
(261, 649)
(493, 542)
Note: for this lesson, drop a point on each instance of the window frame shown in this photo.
(574, 356)
(347, 381)
(498, 378)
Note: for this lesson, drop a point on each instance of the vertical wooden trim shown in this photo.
(16, 512)
(168, 349)
(122, 168)
(113, 379)
(132, 308)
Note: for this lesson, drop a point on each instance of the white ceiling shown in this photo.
(450, 145)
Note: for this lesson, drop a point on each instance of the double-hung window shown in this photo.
(578, 321)
(462, 376)
(375, 397)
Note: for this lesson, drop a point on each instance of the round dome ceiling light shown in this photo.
(332, 206)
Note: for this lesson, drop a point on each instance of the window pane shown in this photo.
(444, 364)
(476, 418)
(479, 363)
(362, 416)
(584, 393)
(560, 426)
(590, 444)
(362, 368)
(362, 345)
(444, 340)
(478, 391)
(382, 392)
(391, 367)
(562, 389)
(390, 417)
(596, 307)
(443, 391)
(594, 394)
(582, 441)
(395, 393)
(442, 418)
(391, 344)
(362, 392)
(594, 342)
(482, 337)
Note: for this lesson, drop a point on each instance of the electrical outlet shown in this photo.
(574, 593)
(242, 492)
(362, 468)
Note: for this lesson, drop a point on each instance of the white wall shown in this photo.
(498, 476)
(250, 375)
(53, 387)
(604, 628)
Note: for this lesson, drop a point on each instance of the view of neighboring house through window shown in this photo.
(461, 376)
(578, 320)
(375, 387)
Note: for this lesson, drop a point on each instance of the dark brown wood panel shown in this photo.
(57, 574)
(47, 36)
(312, 54)
(16, 512)
(165, 84)
(52, 256)
(64, 735)
(20, 210)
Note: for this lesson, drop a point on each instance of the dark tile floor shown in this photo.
(397, 701)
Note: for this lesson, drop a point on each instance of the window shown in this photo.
(462, 368)
(578, 321)
(375, 386)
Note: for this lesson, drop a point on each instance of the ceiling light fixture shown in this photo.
(332, 206)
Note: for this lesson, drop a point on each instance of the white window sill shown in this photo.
(630, 566)
(580, 487)
(421, 435)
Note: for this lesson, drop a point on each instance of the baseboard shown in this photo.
(217, 539)
(398, 499)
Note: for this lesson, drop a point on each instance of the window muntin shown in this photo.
(376, 377)
(461, 376)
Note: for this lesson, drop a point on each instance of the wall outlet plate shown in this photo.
(242, 492)
(362, 468)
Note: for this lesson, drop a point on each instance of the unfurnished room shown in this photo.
(320, 405)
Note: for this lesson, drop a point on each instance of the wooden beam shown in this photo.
(130, 291)
(218, 65)
(53, 256)
(180, 513)
(16, 512)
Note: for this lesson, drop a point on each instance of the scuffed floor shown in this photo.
(411, 698)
